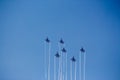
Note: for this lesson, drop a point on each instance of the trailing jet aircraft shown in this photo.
(61, 41)
(57, 55)
(64, 50)
(73, 59)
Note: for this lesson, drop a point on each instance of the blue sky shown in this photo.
(94, 24)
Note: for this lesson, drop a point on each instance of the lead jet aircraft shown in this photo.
(57, 55)
(47, 40)
(82, 50)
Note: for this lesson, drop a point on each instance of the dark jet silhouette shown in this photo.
(82, 50)
(64, 50)
(73, 59)
(47, 40)
(57, 55)
(61, 41)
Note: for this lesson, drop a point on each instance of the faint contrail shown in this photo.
(80, 66)
(54, 68)
(75, 70)
(66, 68)
(71, 71)
(84, 65)
(63, 64)
(59, 66)
(45, 63)
(61, 76)
(49, 61)
(58, 69)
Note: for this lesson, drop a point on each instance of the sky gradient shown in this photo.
(93, 24)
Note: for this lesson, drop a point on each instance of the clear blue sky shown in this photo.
(24, 24)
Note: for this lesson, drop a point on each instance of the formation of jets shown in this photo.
(64, 50)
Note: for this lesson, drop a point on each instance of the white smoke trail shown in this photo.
(61, 61)
(75, 70)
(84, 65)
(59, 70)
(66, 68)
(54, 68)
(80, 66)
(63, 77)
(49, 61)
(45, 63)
(71, 71)
(63, 65)
(59, 66)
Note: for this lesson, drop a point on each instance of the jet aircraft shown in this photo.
(57, 55)
(61, 41)
(82, 50)
(47, 40)
(73, 59)
(64, 50)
